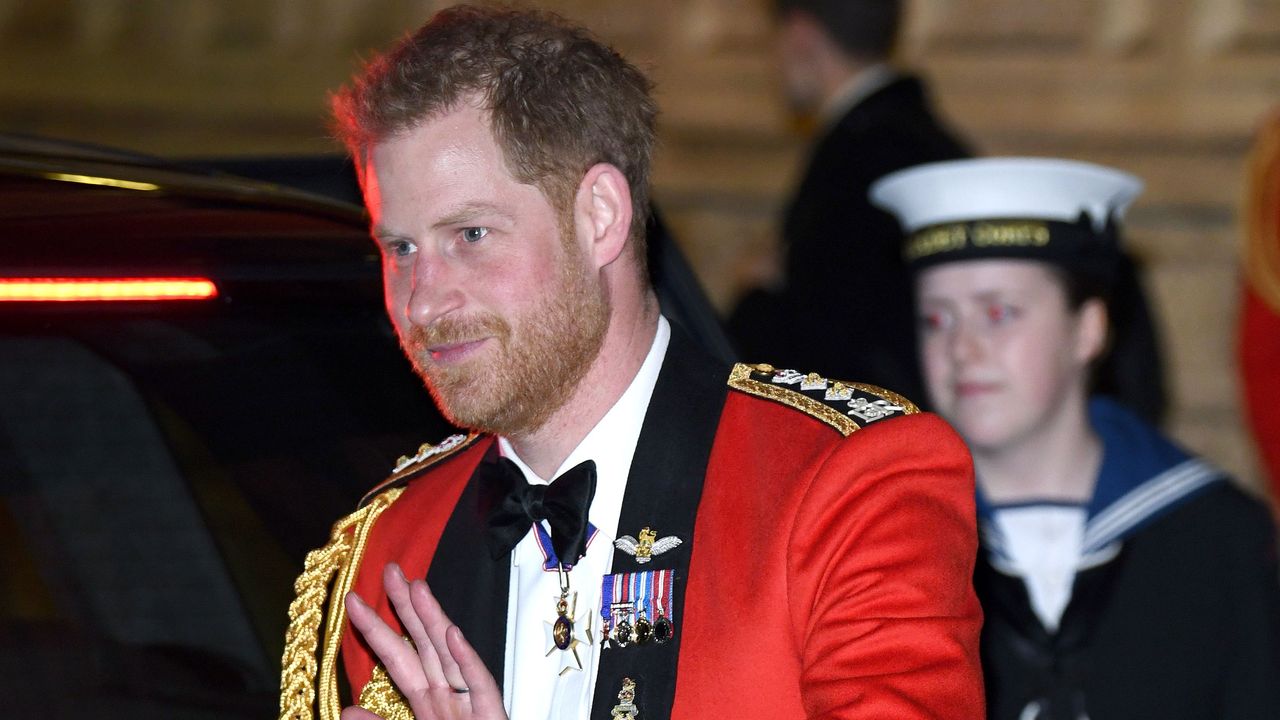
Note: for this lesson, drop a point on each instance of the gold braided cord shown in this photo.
(381, 697)
(298, 671)
(298, 665)
(330, 702)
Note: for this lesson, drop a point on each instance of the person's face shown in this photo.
(796, 43)
(489, 290)
(1002, 352)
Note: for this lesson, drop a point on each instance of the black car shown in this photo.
(196, 378)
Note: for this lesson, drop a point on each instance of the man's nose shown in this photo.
(435, 290)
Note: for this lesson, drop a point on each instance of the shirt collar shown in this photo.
(861, 86)
(612, 442)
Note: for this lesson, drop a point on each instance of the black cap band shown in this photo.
(1076, 246)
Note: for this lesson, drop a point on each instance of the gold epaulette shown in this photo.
(426, 456)
(845, 406)
(341, 557)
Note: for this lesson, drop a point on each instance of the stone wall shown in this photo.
(1169, 89)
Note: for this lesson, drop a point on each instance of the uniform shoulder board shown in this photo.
(845, 406)
(426, 456)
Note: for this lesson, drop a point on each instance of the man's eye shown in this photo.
(401, 248)
(473, 234)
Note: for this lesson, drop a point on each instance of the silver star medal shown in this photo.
(562, 634)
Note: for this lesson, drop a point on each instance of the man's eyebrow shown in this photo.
(378, 232)
(467, 212)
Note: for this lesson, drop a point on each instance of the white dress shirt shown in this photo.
(533, 686)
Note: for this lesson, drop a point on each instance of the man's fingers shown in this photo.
(436, 623)
(397, 656)
(443, 663)
(486, 698)
(397, 587)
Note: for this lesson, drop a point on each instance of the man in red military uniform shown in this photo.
(631, 528)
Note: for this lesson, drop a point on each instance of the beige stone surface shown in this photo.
(1197, 312)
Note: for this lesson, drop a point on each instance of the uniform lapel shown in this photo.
(470, 585)
(664, 487)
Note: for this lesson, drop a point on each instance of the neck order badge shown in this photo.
(564, 505)
(562, 632)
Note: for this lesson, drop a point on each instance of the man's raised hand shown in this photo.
(438, 672)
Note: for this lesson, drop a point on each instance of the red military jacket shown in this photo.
(826, 571)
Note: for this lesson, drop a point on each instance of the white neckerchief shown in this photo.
(532, 687)
(856, 89)
(1043, 543)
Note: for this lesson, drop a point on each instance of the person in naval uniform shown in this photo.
(629, 528)
(1120, 576)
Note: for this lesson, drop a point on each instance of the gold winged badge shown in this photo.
(647, 546)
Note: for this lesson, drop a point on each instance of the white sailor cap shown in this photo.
(1043, 208)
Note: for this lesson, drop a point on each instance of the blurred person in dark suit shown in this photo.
(843, 301)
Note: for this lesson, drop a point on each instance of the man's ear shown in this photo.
(1091, 330)
(603, 210)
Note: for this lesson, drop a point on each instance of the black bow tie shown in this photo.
(563, 504)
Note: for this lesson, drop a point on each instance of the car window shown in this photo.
(165, 466)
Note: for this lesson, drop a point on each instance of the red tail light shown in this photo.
(105, 289)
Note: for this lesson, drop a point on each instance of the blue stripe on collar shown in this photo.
(1132, 453)
(1143, 475)
(1148, 501)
